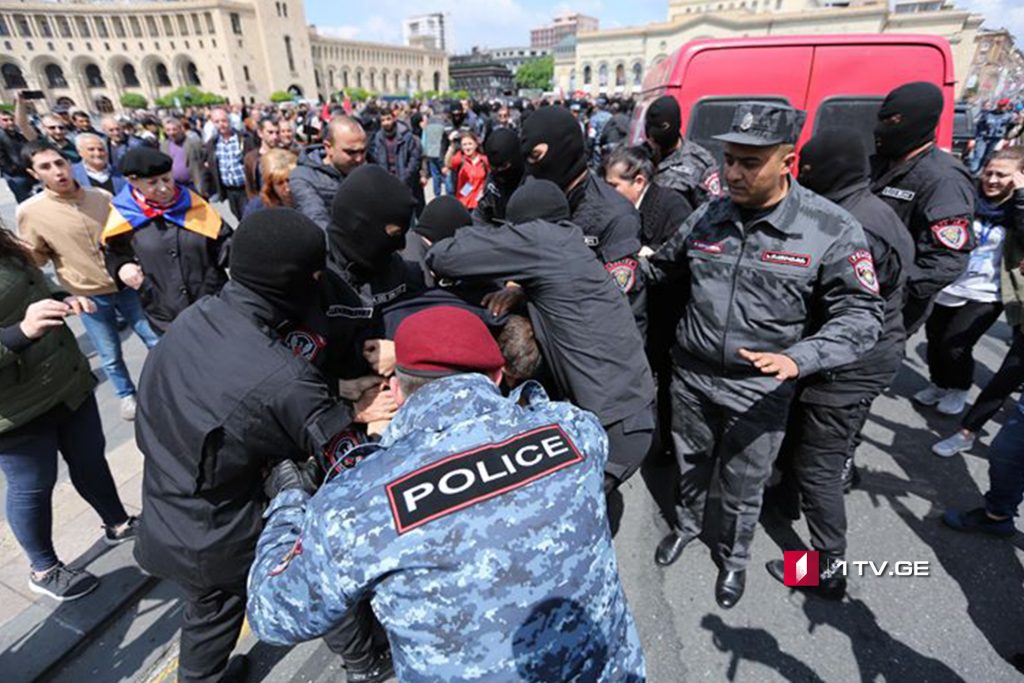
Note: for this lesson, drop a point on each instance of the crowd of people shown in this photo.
(394, 423)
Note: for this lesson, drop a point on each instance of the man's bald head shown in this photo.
(344, 144)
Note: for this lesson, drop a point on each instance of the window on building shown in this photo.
(284, 6)
(55, 76)
(44, 27)
(135, 26)
(220, 72)
(712, 116)
(151, 28)
(5, 30)
(182, 25)
(118, 25)
(93, 76)
(288, 53)
(192, 74)
(168, 27)
(82, 24)
(101, 27)
(209, 22)
(197, 25)
(588, 75)
(236, 24)
(359, 79)
(602, 76)
(13, 78)
(344, 79)
(163, 79)
(620, 75)
(245, 72)
(24, 29)
(129, 77)
(277, 6)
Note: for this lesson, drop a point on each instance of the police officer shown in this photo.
(929, 190)
(506, 162)
(572, 303)
(221, 398)
(552, 145)
(994, 126)
(756, 265)
(683, 165)
(470, 527)
(831, 407)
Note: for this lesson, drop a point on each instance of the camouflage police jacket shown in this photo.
(692, 172)
(798, 281)
(480, 530)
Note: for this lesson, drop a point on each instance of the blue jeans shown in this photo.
(981, 146)
(101, 327)
(28, 459)
(434, 168)
(1006, 467)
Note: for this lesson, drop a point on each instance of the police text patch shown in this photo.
(471, 477)
(707, 247)
(784, 258)
(898, 193)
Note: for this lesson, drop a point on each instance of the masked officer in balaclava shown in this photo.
(682, 164)
(506, 160)
(929, 190)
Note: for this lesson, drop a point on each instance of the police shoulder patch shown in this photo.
(952, 233)
(624, 273)
(864, 270)
(305, 343)
(713, 184)
(477, 475)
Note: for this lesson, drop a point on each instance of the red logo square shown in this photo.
(801, 567)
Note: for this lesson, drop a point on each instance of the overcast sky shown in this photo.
(507, 23)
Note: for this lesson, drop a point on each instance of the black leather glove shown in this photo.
(288, 474)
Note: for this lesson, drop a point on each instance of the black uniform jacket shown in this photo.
(180, 266)
(582, 323)
(933, 195)
(221, 399)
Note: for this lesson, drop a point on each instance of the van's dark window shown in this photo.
(858, 113)
(713, 116)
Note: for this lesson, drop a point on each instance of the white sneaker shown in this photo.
(930, 395)
(959, 442)
(953, 403)
(128, 407)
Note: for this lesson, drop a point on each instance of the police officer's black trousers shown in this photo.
(629, 441)
(726, 436)
(212, 623)
(818, 441)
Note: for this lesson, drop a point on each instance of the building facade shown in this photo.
(377, 67)
(616, 61)
(428, 30)
(509, 57)
(997, 69)
(88, 54)
(482, 80)
(548, 36)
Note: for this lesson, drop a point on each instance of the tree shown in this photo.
(281, 96)
(133, 100)
(187, 95)
(536, 74)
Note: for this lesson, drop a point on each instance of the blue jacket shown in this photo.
(83, 179)
(481, 531)
(408, 156)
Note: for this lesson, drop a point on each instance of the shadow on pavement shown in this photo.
(756, 645)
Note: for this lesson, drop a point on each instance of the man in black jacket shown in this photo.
(930, 191)
(831, 407)
(399, 152)
(222, 400)
(11, 165)
(571, 303)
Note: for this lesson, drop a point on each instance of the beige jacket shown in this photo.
(67, 231)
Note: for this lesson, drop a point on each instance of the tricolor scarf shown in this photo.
(131, 211)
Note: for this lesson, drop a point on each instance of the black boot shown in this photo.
(379, 670)
(729, 587)
(670, 548)
(851, 477)
(236, 671)
(831, 581)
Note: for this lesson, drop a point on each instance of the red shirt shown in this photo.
(470, 178)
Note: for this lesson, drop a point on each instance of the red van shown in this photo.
(836, 79)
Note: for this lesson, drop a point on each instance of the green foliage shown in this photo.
(281, 96)
(133, 100)
(358, 94)
(189, 95)
(537, 73)
(425, 95)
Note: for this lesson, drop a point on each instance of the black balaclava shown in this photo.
(920, 106)
(442, 217)
(537, 200)
(502, 147)
(662, 123)
(833, 160)
(369, 200)
(565, 159)
(275, 253)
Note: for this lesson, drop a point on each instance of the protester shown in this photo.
(224, 170)
(468, 166)
(275, 167)
(55, 132)
(94, 170)
(11, 166)
(441, 218)
(269, 137)
(81, 123)
(63, 224)
(991, 130)
(322, 168)
(448, 615)
(745, 331)
(397, 150)
(47, 406)
(163, 240)
(186, 152)
(118, 141)
(433, 143)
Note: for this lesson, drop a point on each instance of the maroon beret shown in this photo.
(444, 339)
